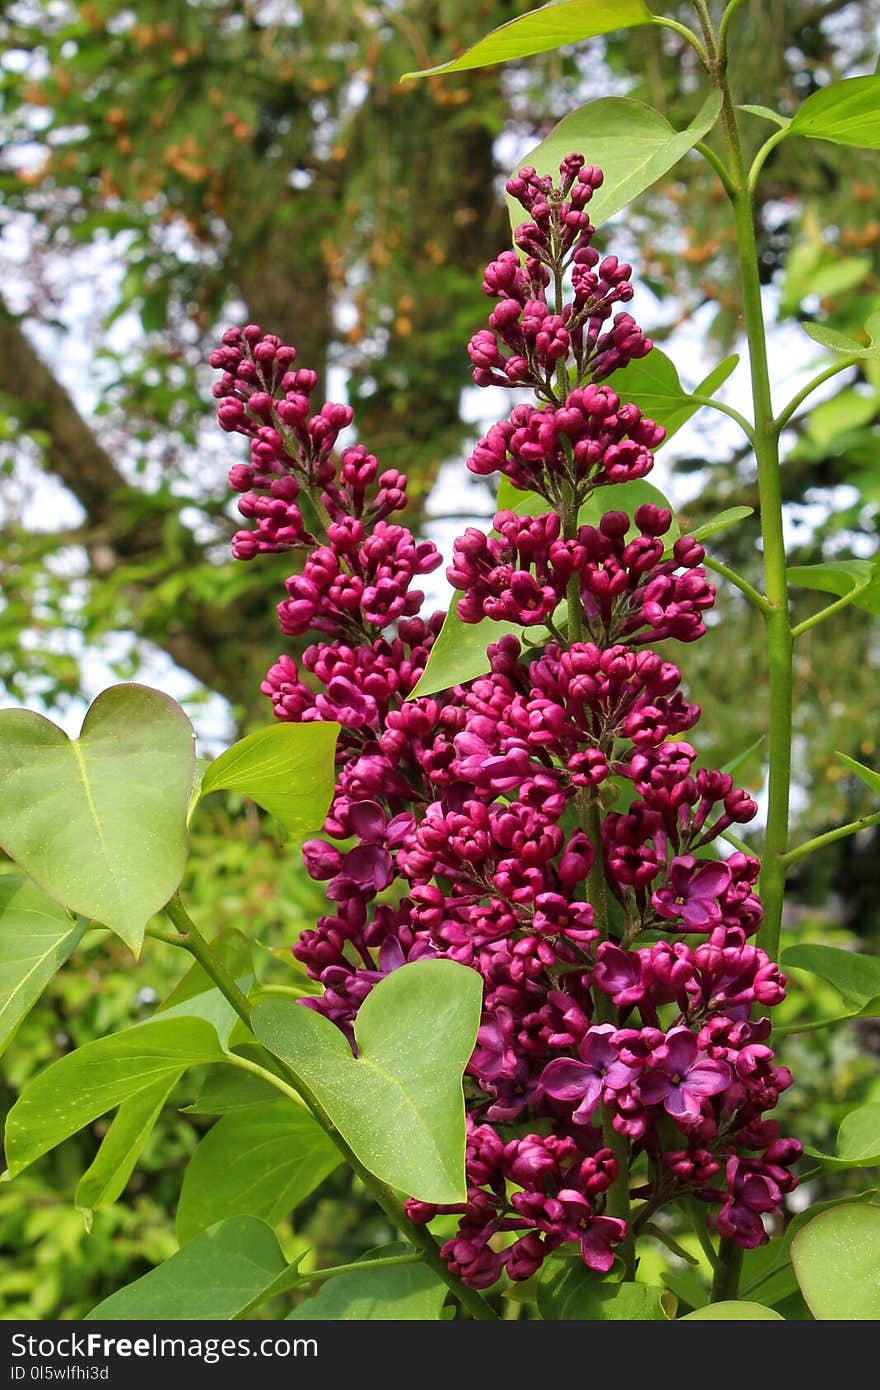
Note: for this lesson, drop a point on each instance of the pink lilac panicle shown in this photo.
(454, 827)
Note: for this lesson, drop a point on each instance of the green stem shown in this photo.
(758, 162)
(291, 1278)
(717, 164)
(812, 1026)
(725, 1285)
(683, 31)
(830, 609)
(618, 1203)
(808, 847)
(195, 943)
(297, 1087)
(751, 593)
(729, 411)
(766, 447)
(724, 28)
(785, 415)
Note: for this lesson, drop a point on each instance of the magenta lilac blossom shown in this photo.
(627, 1046)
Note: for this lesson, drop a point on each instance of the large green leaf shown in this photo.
(855, 976)
(836, 1258)
(215, 1277)
(568, 1291)
(459, 654)
(399, 1105)
(868, 775)
(262, 1161)
(858, 1141)
(121, 1147)
(653, 384)
(539, 31)
(733, 1311)
(631, 142)
(288, 769)
(36, 937)
(846, 113)
(399, 1293)
(98, 1077)
(99, 822)
(861, 578)
(839, 342)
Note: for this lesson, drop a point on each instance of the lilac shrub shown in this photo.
(623, 1052)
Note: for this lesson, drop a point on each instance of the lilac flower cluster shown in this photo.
(623, 1037)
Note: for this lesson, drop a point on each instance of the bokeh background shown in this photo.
(172, 166)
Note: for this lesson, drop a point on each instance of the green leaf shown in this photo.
(626, 497)
(113, 1164)
(567, 1290)
(836, 1258)
(99, 823)
(539, 31)
(226, 1090)
(403, 1293)
(731, 516)
(839, 342)
(856, 977)
(459, 654)
(733, 1310)
(868, 775)
(653, 384)
(739, 759)
(36, 937)
(832, 420)
(846, 113)
(288, 769)
(842, 577)
(858, 1141)
(631, 142)
(262, 1161)
(85, 1084)
(215, 1277)
(399, 1105)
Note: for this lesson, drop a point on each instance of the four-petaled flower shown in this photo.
(692, 893)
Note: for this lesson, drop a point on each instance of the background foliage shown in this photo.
(168, 167)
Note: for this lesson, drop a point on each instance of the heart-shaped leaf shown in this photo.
(733, 1311)
(399, 1105)
(846, 113)
(858, 1141)
(836, 1258)
(99, 822)
(855, 976)
(262, 1161)
(399, 1293)
(632, 144)
(539, 31)
(98, 1077)
(653, 384)
(288, 769)
(215, 1277)
(121, 1147)
(36, 937)
(839, 342)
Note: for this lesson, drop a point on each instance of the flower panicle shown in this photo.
(456, 828)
